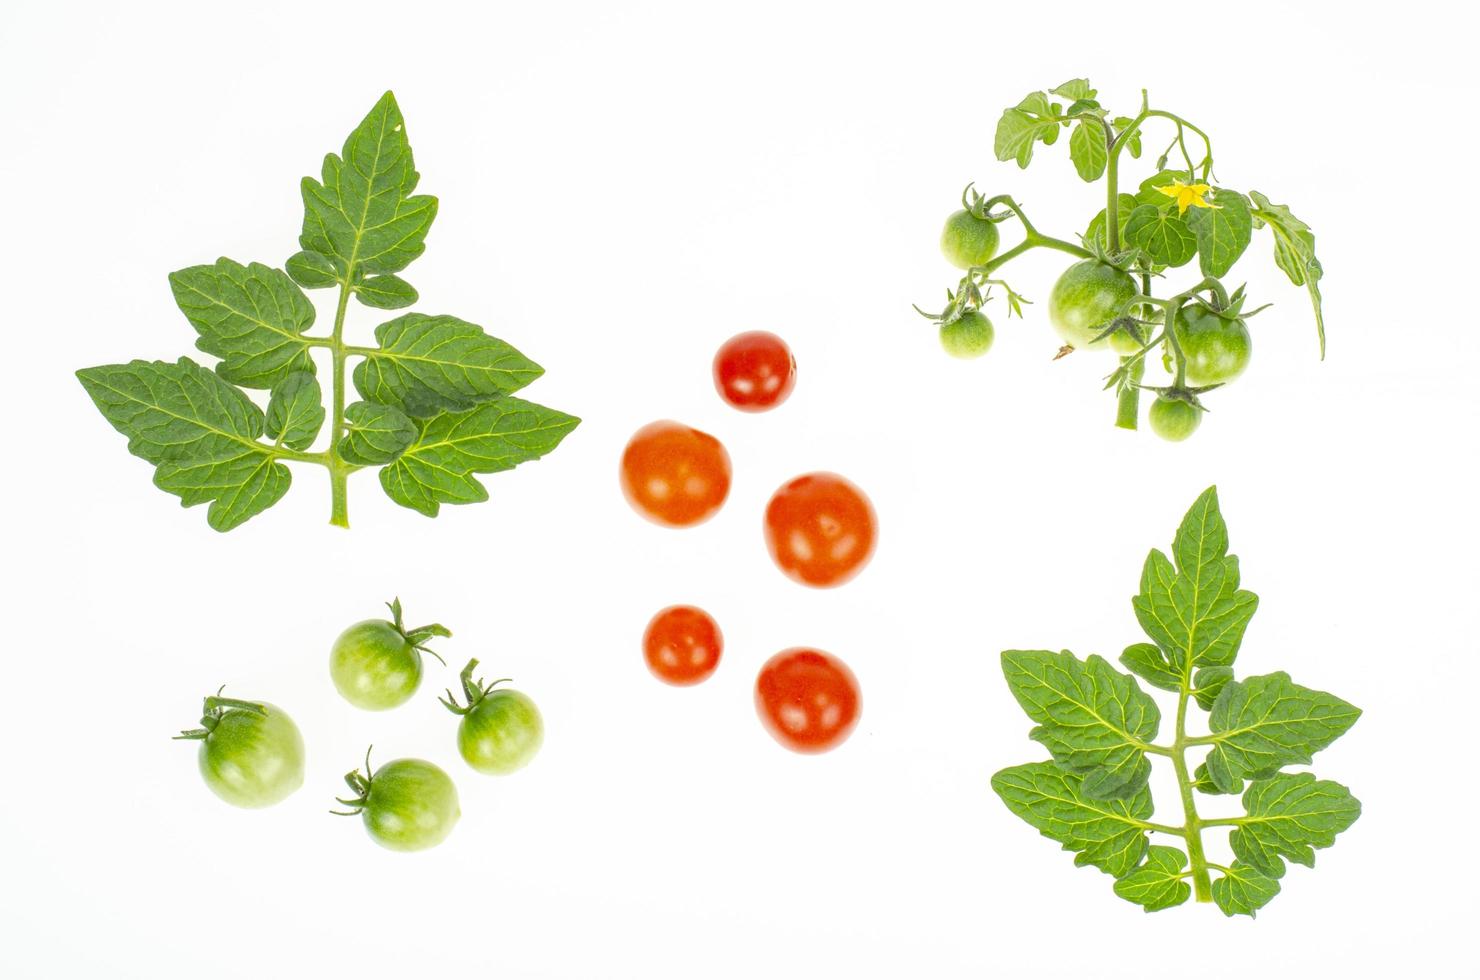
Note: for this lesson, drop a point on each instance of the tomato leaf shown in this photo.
(1088, 150)
(251, 316)
(1294, 252)
(1075, 88)
(1262, 723)
(385, 292)
(361, 213)
(1032, 120)
(1148, 662)
(1132, 145)
(1243, 890)
(430, 364)
(439, 467)
(295, 411)
(377, 433)
(199, 432)
(1289, 815)
(1161, 234)
(1106, 834)
(1093, 719)
(1223, 231)
(1158, 883)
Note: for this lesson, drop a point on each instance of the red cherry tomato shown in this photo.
(682, 645)
(820, 529)
(674, 475)
(754, 371)
(808, 700)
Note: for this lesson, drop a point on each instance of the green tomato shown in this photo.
(968, 240)
(251, 753)
(377, 664)
(1174, 419)
(967, 337)
(1086, 298)
(409, 805)
(1217, 350)
(501, 733)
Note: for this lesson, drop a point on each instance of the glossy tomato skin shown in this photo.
(968, 336)
(374, 666)
(682, 645)
(253, 760)
(1085, 299)
(501, 733)
(820, 529)
(807, 699)
(1174, 419)
(412, 805)
(675, 475)
(968, 241)
(755, 371)
(1217, 350)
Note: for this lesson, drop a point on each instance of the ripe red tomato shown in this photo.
(682, 645)
(754, 371)
(808, 700)
(674, 475)
(820, 529)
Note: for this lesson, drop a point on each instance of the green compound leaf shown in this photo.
(1158, 883)
(1209, 683)
(377, 433)
(250, 316)
(1195, 611)
(1093, 719)
(430, 364)
(1108, 834)
(1147, 662)
(1243, 890)
(1289, 815)
(1262, 723)
(438, 467)
(1294, 252)
(385, 292)
(199, 432)
(1222, 231)
(295, 411)
(361, 213)
(1088, 149)
(1031, 121)
(1125, 204)
(1161, 234)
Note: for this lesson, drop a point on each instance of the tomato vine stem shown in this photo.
(338, 470)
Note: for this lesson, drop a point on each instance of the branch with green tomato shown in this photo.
(1104, 301)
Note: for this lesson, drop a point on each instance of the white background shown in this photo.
(622, 187)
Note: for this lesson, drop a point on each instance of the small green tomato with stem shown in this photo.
(1174, 416)
(405, 805)
(377, 664)
(251, 753)
(501, 729)
(968, 336)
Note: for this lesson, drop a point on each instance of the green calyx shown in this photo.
(360, 784)
(213, 709)
(473, 691)
(419, 636)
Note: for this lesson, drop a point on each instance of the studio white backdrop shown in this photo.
(622, 187)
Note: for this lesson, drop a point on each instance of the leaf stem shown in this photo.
(338, 470)
(1202, 885)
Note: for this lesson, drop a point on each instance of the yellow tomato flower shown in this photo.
(1187, 195)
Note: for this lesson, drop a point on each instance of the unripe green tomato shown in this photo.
(374, 666)
(412, 805)
(1217, 350)
(968, 240)
(1174, 419)
(501, 733)
(967, 337)
(253, 760)
(1086, 298)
